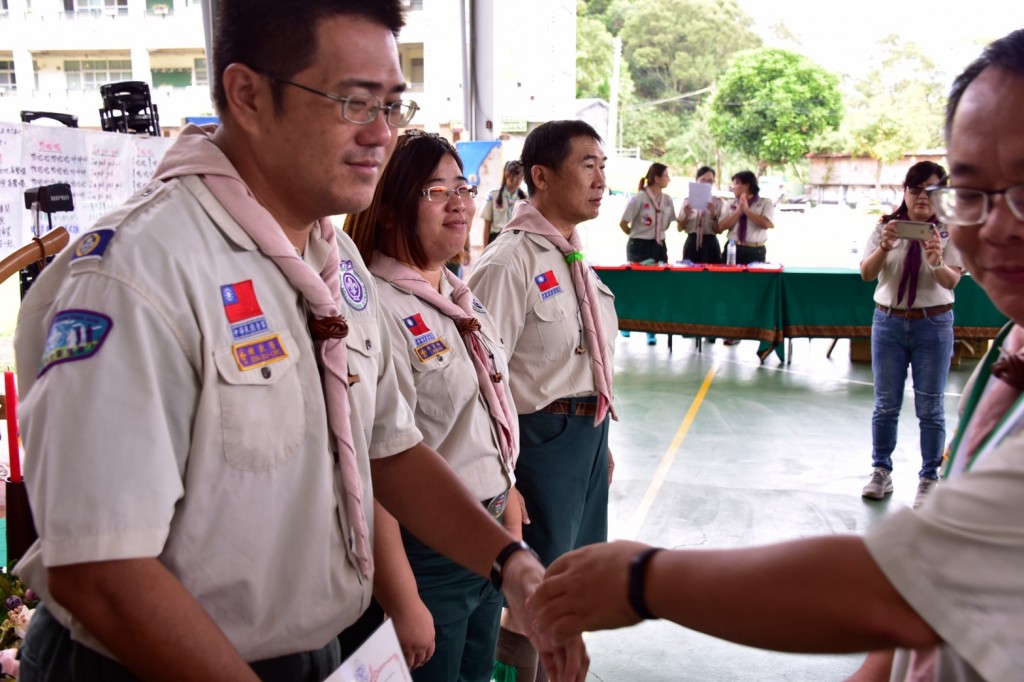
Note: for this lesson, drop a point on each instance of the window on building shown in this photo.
(200, 74)
(90, 74)
(160, 7)
(7, 81)
(411, 58)
(3, 6)
(172, 78)
(108, 6)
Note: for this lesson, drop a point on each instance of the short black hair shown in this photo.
(748, 178)
(917, 175)
(1006, 53)
(550, 144)
(388, 224)
(280, 37)
(704, 169)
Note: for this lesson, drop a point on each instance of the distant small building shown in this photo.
(847, 179)
(595, 112)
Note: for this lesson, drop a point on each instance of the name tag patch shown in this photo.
(548, 285)
(259, 352)
(74, 335)
(431, 349)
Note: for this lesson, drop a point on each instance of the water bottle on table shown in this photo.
(730, 252)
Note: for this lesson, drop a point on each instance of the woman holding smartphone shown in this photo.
(912, 327)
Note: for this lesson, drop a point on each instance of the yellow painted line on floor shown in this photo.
(640, 515)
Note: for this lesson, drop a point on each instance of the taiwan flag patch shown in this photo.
(548, 284)
(416, 326)
(240, 301)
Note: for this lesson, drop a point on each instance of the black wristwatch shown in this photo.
(498, 567)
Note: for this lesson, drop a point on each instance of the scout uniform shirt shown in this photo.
(438, 379)
(755, 235)
(524, 281)
(499, 217)
(173, 408)
(929, 291)
(643, 212)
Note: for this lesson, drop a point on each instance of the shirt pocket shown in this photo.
(364, 357)
(558, 330)
(435, 380)
(263, 415)
(609, 317)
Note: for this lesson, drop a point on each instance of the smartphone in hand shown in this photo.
(912, 229)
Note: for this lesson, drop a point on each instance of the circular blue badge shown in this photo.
(353, 289)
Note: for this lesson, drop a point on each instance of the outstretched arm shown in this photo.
(817, 595)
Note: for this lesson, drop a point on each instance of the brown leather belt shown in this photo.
(915, 313)
(752, 245)
(565, 406)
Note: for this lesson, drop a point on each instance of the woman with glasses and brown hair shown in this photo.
(912, 327)
(500, 202)
(452, 371)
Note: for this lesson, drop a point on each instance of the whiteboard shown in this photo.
(103, 169)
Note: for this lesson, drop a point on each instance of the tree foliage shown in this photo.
(594, 57)
(678, 46)
(773, 105)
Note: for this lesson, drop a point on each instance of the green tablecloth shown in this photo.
(770, 306)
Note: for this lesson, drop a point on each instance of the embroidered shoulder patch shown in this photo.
(93, 245)
(259, 352)
(352, 287)
(478, 306)
(74, 335)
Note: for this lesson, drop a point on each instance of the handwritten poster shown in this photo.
(103, 169)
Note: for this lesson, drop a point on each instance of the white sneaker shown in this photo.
(880, 484)
(924, 488)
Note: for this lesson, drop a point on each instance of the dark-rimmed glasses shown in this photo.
(962, 206)
(358, 108)
(441, 194)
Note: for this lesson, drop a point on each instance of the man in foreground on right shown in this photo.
(943, 584)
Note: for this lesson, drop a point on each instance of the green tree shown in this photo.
(897, 107)
(677, 46)
(594, 55)
(774, 105)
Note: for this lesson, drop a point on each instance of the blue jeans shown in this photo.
(925, 345)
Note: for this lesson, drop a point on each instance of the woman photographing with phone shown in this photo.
(912, 327)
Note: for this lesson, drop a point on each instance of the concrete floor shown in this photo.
(772, 453)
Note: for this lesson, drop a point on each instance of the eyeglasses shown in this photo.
(917, 190)
(441, 194)
(359, 109)
(960, 206)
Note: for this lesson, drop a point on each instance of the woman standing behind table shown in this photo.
(500, 202)
(912, 326)
(452, 370)
(702, 226)
(747, 219)
(647, 215)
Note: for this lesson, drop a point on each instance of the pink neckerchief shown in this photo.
(460, 309)
(194, 153)
(529, 219)
(659, 225)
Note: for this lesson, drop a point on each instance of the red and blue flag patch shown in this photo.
(416, 325)
(240, 301)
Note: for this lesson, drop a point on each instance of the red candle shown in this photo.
(12, 426)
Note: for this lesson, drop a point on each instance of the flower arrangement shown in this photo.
(19, 603)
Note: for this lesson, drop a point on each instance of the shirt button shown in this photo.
(369, 344)
(265, 372)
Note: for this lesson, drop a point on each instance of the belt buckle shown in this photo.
(496, 506)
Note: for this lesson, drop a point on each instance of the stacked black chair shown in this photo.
(127, 108)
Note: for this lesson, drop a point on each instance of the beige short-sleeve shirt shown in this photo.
(525, 283)
(929, 291)
(438, 379)
(755, 234)
(643, 212)
(173, 409)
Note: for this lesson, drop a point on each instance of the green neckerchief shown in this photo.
(972, 403)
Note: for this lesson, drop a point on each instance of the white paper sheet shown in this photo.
(379, 659)
(700, 195)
